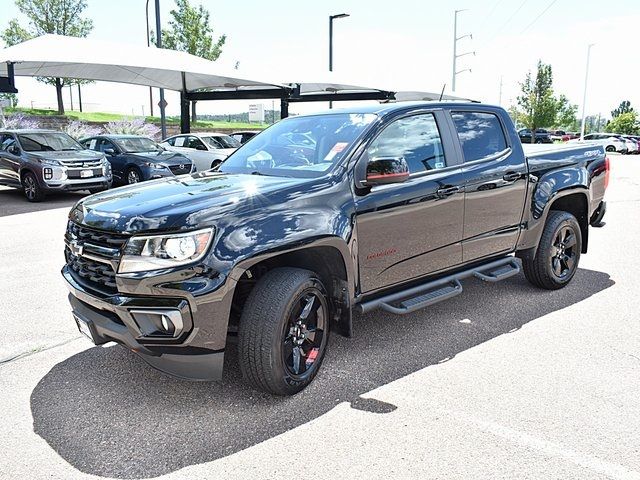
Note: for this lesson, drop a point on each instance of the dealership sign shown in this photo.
(256, 113)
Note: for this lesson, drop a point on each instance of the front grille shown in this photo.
(81, 163)
(97, 172)
(176, 170)
(91, 254)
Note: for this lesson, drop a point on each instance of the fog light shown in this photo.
(48, 173)
(158, 323)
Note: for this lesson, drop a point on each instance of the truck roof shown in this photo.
(385, 108)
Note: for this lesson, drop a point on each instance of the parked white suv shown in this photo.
(205, 150)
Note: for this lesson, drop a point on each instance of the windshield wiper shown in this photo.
(255, 172)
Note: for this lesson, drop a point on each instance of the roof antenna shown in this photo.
(442, 92)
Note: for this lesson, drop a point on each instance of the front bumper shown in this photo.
(197, 354)
(75, 185)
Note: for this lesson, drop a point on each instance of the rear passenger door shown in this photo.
(495, 184)
(411, 229)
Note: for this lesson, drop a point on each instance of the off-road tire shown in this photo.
(264, 324)
(539, 270)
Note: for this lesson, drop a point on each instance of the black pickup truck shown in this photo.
(385, 207)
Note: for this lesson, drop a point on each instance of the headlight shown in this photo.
(157, 166)
(142, 254)
(48, 161)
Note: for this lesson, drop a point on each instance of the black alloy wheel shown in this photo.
(558, 253)
(303, 337)
(284, 331)
(563, 260)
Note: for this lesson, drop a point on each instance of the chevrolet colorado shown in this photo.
(387, 207)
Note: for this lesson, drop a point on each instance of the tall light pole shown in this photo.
(148, 45)
(331, 19)
(163, 119)
(456, 38)
(584, 96)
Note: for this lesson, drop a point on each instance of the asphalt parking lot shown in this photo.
(504, 381)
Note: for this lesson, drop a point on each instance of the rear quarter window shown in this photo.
(480, 133)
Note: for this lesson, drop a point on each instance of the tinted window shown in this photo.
(480, 134)
(416, 139)
(194, 142)
(103, 145)
(171, 141)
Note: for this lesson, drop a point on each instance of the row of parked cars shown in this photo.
(43, 161)
(613, 142)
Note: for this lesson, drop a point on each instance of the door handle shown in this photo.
(511, 176)
(446, 191)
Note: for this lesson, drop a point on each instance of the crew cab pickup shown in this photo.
(46, 161)
(389, 207)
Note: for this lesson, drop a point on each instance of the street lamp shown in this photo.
(584, 96)
(148, 45)
(331, 19)
(162, 103)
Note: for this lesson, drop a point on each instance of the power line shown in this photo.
(493, 9)
(512, 15)
(538, 17)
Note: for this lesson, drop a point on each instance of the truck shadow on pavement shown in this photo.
(107, 413)
(13, 201)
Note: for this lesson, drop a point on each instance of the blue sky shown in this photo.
(405, 44)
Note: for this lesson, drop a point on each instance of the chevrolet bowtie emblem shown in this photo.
(75, 247)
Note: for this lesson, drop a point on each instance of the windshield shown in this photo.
(299, 146)
(48, 142)
(222, 141)
(138, 145)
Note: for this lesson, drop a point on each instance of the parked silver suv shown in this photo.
(42, 161)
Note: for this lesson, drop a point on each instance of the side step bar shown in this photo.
(421, 296)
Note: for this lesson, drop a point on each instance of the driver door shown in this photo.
(411, 229)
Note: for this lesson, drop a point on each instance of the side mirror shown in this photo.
(109, 151)
(201, 147)
(385, 170)
(13, 150)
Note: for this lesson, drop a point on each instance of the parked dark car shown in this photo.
(542, 136)
(45, 161)
(244, 136)
(136, 158)
(392, 207)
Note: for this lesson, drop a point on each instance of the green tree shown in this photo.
(60, 17)
(12, 97)
(538, 107)
(190, 31)
(624, 107)
(625, 123)
(566, 116)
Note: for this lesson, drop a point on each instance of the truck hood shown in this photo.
(68, 156)
(185, 202)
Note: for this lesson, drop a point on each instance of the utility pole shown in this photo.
(331, 19)
(584, 96)
(163, 119)
(500, 95)
(71, 96)
(456, 38)
(80, 97)
(148, 45)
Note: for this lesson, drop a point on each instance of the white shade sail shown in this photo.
(70, 57)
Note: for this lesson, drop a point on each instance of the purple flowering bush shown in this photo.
(136, 126)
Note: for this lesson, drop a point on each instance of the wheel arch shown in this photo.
(328, 258)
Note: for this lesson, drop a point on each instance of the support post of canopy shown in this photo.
(185, 117)
(284, 108)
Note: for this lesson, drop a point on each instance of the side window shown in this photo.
(480, 134)
(6, 141)
(415, 138)
(196, 143)
(171, 141)
(103, 145)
